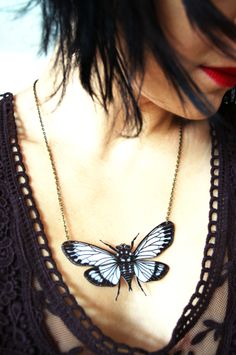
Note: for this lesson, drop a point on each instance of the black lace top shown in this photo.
(39, 315)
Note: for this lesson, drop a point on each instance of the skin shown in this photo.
(113, 189)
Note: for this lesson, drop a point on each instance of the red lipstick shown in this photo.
(225, 76)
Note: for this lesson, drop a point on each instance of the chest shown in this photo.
(114, 204)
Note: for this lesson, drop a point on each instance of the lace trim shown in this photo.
(65, 304)
(229, 341)
(17, 337)
(211, 267)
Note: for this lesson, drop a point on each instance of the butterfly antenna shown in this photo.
(108, 245)
(132, 243)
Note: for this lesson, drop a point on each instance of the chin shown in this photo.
(192, 113)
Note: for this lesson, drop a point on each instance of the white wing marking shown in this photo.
(110, 272)
(144, 271)
(95, 277)
(149, 270)
(157, 240)
(83, 254)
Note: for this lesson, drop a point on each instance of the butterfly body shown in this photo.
(108, 267)
(125, 259)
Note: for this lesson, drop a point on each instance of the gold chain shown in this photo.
(176, 171)
(59, 195)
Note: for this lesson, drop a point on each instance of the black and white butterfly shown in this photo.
(109, 267)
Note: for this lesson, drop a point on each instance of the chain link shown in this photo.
(176, 171)
(59, 195)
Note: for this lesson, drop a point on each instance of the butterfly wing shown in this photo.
(111, 272)
(155, 242)
(106, 271)
(104, 276)
(146, 270)
(84, 254)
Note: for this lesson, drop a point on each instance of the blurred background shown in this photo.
(20, 63)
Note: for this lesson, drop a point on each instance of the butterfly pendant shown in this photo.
(109, 267)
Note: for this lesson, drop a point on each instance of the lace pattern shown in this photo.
(230, 320)
(15, 303)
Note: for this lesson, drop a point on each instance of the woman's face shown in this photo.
(195, 52)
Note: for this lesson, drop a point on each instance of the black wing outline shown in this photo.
(155, 241)
(106, 265)
(146, 270)
(94, 276)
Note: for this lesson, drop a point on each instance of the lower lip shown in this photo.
(220, 77)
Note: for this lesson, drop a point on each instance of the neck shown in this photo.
(77, 108)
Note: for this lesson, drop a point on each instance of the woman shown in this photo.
(118, 184)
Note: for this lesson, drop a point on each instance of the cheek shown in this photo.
(182, 37)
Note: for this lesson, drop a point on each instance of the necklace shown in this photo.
(109, 267)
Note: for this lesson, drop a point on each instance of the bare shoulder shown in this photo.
(25, 115)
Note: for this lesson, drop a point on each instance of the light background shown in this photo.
(20, 63)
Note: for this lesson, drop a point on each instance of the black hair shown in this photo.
(86, 30)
